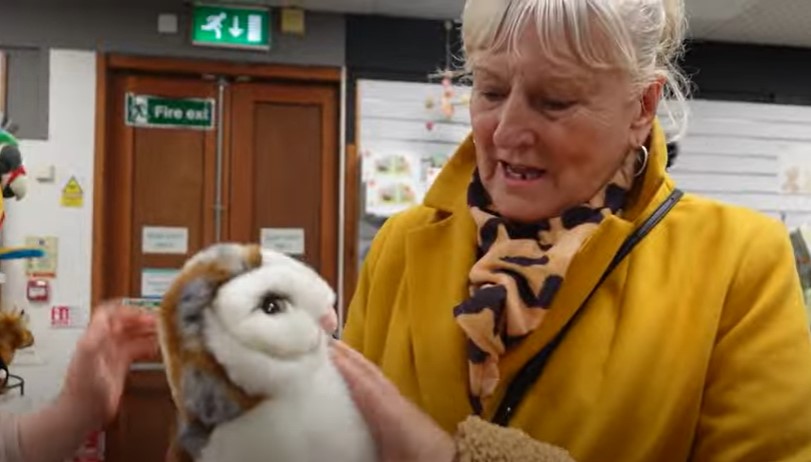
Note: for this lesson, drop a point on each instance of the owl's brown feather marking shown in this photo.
(179, 354)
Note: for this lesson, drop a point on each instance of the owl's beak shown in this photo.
(329, 321)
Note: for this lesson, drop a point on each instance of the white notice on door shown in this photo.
(164, 240)
(155, 282)
(285, 240)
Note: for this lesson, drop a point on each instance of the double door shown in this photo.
(264, 170)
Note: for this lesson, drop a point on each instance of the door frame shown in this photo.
(109, 63)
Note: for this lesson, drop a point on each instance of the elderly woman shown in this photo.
(556, 281)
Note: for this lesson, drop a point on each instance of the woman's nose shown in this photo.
(514, 130)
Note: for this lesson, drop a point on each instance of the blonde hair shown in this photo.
(645, 38)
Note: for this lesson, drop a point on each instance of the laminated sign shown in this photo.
(46, 266)
(73, 194)
(147, 111)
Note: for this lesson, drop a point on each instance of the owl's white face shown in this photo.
(268, 322)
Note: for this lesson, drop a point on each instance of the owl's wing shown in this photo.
(208, 402)
(200, 389)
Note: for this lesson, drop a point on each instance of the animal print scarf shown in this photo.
(519, 271)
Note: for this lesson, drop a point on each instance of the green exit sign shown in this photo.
(231, 26)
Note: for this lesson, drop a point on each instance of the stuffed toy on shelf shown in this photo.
(244, 334)
(13, 177)
(14, 184)
(14, 335)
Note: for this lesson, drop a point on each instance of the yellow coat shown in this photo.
(696, 347)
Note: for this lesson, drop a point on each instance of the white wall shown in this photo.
(70, 149)
(735, 152)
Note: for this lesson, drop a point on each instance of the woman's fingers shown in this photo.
(354, 374)
(372, 391)
(129, 333)
(141, 348)
(362, 365)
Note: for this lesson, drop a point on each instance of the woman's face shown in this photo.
(549, 136)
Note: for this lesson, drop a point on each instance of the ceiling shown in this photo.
(772, 22)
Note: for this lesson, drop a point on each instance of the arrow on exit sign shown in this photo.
(231, 26)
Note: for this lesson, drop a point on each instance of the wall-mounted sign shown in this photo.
(165, 240)
(46, 266)
(289, 241)
(69, 317)
(231, 26)
(157, 112)
(148, 304)
(155, 282)
(72, 194)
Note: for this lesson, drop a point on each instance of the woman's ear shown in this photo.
(648, 106)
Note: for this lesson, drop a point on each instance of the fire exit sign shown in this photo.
(147, 111)
(231, 26)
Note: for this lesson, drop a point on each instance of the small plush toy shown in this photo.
(13, 177)
(247, 362)
(14, 183)
(14, 335)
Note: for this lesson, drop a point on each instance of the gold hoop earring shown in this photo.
(645, 155)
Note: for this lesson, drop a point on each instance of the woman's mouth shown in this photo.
(520, 172)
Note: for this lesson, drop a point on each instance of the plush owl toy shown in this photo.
(243, 339)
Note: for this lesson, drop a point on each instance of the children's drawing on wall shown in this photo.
(795, 170)
(791, 182)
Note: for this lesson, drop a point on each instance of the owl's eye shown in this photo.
(272, 304)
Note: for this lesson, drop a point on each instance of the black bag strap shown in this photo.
(529, 374)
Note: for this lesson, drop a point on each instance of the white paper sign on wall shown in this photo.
(289, 241)
(69, 317)
(165, 240)
(155, 282)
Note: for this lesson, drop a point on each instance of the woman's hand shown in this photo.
(402, 432)
(116, 337)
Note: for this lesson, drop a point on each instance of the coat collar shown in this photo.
(440, 254)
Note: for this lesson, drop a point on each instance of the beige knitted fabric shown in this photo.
(480, 441)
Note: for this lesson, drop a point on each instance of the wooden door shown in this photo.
(283, 167)
(155, 177)
(279, 171)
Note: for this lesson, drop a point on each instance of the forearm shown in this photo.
(53, 433)
(479, 441)
(9, 438)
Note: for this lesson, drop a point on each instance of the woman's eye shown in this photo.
(272, 304)
(492, 95)
(556, 105)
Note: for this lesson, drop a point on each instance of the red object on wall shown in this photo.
(92, 449)
(38, 290)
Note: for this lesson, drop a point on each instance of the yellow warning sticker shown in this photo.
(73, 194)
